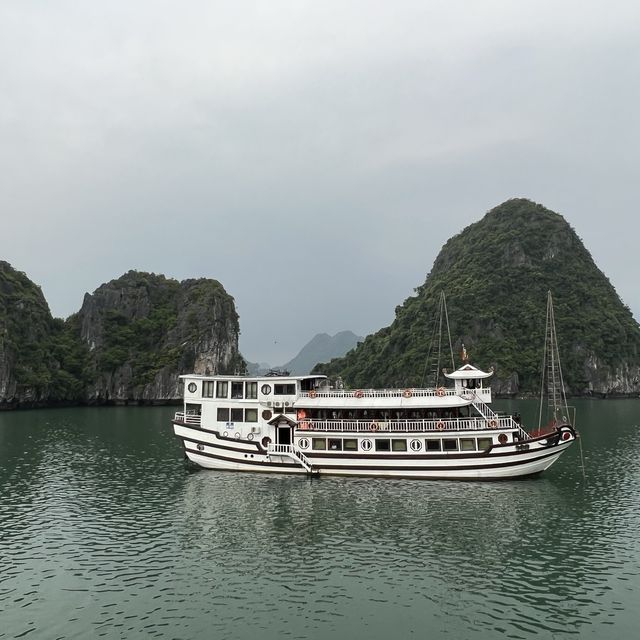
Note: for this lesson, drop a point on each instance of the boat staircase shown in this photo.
(293, 452)
(482, 407)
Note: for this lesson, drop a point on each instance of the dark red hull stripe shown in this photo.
(329, 467)
(370, 456)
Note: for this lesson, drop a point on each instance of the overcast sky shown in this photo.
(312, 156)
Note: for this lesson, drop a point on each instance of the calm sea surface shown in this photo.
(104, 532)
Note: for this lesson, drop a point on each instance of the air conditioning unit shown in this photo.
(286, 404)
(269, 404)
(277, 404)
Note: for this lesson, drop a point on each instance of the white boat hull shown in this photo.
(210, 450)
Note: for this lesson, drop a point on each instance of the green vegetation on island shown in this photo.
(496, 274)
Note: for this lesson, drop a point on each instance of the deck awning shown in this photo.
(276, 420)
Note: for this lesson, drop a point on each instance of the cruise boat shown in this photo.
(303, 425)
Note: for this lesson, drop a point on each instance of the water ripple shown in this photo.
(103, 532)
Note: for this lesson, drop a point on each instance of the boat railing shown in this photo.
(189, 418)
(396, 426)
(380, 393)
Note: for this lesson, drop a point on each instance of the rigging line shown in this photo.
(544, 364)
(428, 358)
(446, 313)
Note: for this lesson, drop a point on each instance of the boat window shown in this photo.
(251, 415)
(194, 409)
(236, 390)
(207, 389)
(383, 445)
(266, 414)
(335, 444)
(350, 444)
(467, 444)
(449, 444)
(223, 414)
(399, 445)
(222, 389)
(284, 389)
(318, 444)
(251, 390)
(484, 443)
(265, 389)
(236, 415)
(432, 445)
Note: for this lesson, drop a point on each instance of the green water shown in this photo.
(105, 533)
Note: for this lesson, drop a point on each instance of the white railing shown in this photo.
(380, 393)
(291, 451)
(396, 426)
(190, 418)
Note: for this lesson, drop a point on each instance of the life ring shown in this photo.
(373, 426)
(358, 394)
(493, 424)
(440, 391)
(266, 441)
(440, 425)
(407, 393)
(312, 393)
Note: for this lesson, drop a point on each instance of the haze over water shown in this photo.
(105, 533)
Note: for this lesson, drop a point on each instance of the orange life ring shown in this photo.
(312, 393)
(373, 426)
(358, 394)
(440, 425)
(407, 393)
(493, 424)
(441, 391)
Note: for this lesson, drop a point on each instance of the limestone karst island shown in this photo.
(134, 336)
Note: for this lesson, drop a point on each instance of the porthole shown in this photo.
(250, 436)
(415, 445)
(266, 414)
(200, 447)
(366, 445)
(303, 443)
(237, 435)
(225, 434)
(502, 438)
(265, 389)
(193, 387)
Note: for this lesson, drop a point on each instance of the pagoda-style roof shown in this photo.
(468, 372)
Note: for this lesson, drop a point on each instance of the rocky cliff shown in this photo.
(129, 342)
(144, 330)
(496, 273)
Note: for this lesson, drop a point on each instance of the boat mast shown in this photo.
(552, 380)
(436, 359)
